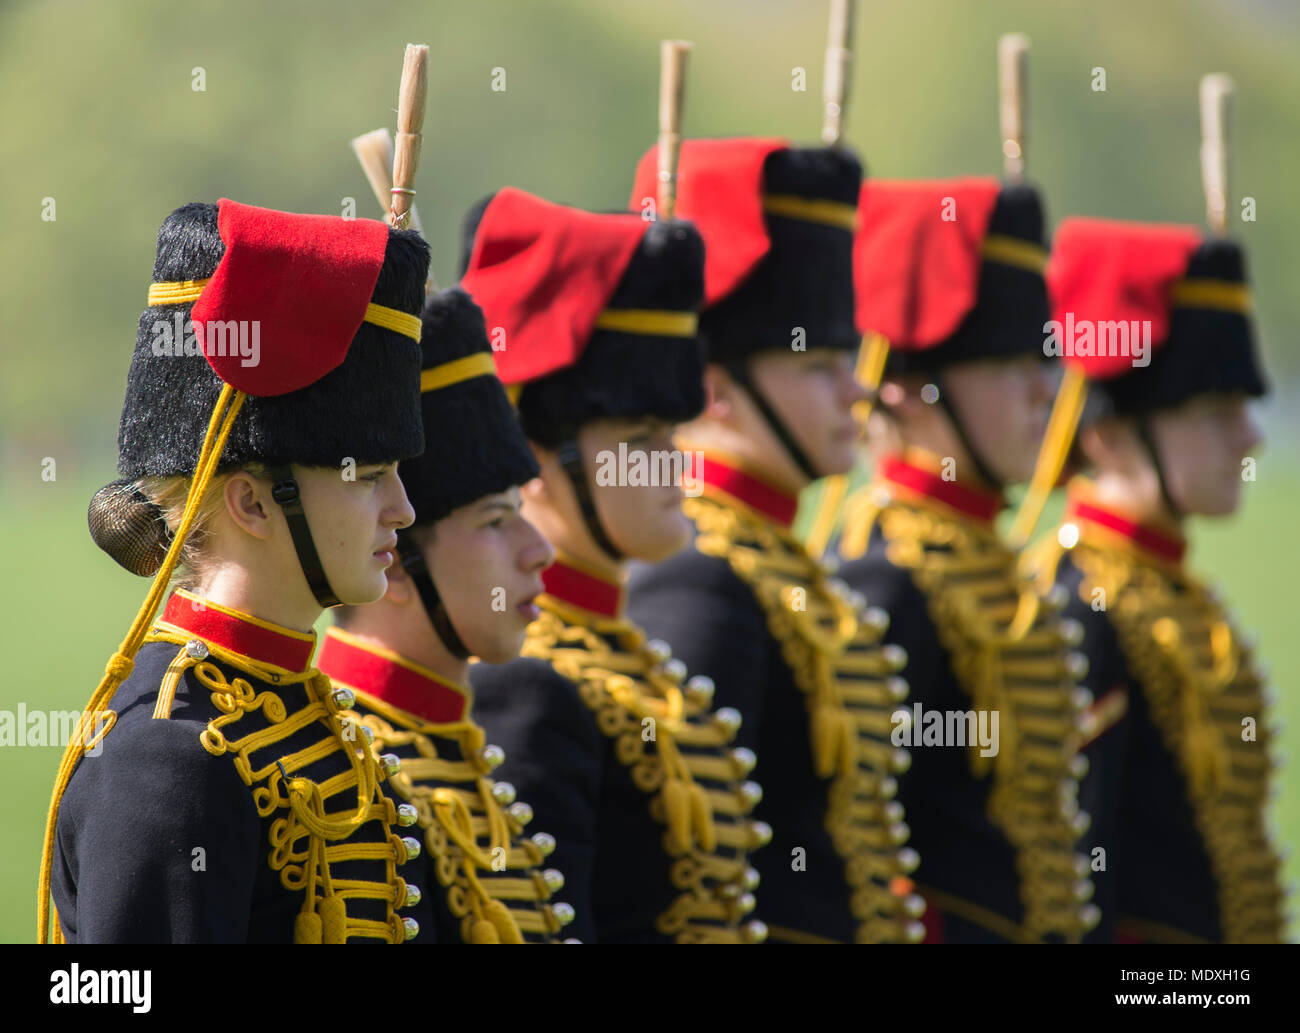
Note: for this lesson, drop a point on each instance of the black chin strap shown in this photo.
(284, 489)
(571, 462)
(739, 371)
(982, 468)
(412, 560)
(1148, 440)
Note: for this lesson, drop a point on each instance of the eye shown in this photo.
(375, 477)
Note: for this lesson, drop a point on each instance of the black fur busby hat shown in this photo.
(317, 392)
(1211, 346)
(777, 222)
(474, 445)
(636, 284)
(948, 271)
(1183, 296)
(363, 409)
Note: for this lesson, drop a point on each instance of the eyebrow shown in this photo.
(495, 504)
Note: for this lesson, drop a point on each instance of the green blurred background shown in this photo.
(98, 112)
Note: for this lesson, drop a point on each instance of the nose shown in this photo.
(399, 512)
(1250, 434)
(851, 391)
(537, 553)
(1045, 377)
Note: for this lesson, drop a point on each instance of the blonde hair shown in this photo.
(169, 494)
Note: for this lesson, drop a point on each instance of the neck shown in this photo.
(1135, 495)
(572, 539)
(234, 586)
(407, 631)
(747, 448)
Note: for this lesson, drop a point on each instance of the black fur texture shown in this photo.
(366, 409)
(806, 279)
(1011, 307)
(474, 445)
(621, 375)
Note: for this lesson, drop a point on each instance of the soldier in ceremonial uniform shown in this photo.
(950, 275)
(1178, 744)
(788, 646)
(621, 754)
(223, 797)
(468, 573)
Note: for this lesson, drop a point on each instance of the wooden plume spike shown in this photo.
(835, 77)
(672, 85)
(1216, 111)
(1013, 99)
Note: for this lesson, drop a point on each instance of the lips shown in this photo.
(529, 609)
(387, 552)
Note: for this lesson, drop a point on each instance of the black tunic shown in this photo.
(746, 605)
(179, 827)
(481, 876)
(1177, 783)
(997, 834)
(631, 771)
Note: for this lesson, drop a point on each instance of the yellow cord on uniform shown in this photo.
(1061, 426)
(869, 372)
(121, 663)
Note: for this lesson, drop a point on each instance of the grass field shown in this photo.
(66, 606)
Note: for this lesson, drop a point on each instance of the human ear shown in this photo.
(248, 504)
(718, 389)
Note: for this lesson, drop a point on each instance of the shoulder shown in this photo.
(689, 582)
(142, 760)
(885, 584)
(528, 701)
(524, 686)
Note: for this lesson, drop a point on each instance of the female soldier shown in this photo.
(225, 797)
(465, 586)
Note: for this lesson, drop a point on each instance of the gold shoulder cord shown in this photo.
(675, 751)
(473, 828)
(1009, 652)
(851, 688)
(310, 838)
(1208, 702)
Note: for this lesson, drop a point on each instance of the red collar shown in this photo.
(1106, 524)
(352, 662)
(975, 503)
(587, 591)
(248, 636)
(768, 501)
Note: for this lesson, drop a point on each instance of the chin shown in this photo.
(362, 590)
(498, 650)
(839, 458)
(666, 540)
(1224, 503)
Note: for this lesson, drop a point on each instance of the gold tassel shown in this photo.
(307, 927)
(826, 740)
(503, 922)
(483, 931)
(334, 920)
(702, 819)
(677, 811)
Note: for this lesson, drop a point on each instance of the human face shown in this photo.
(1201, 445)
(486, 560)
(1003, 405)
(354, 524)
(813, 393)
(639, 501)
